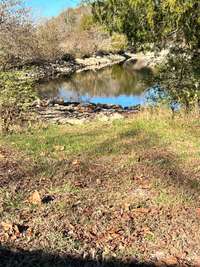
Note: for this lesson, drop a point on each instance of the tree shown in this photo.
(175, 23)
(179, 77)
(122, 17)
(16, 98)
(17, 42)
(151, 20)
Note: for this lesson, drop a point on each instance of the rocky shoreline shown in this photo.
(63, 68)
(58, 111)
(67, 67)
(77, 113)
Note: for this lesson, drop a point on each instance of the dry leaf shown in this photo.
(198, 212)
(98, 181)
(6, 236)
(7, 226)
(16, 229)
(170, 261)
(197, 262)
(75, 162)
(59, 148)
(141, 210)
(35, 198)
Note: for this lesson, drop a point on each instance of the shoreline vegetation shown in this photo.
(58, 111)
(59, 68)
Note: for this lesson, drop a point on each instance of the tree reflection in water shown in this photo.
(115, 85)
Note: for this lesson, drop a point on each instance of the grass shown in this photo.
(122, 189)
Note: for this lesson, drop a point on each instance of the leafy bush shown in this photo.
(86, 22)
(16, 99)
(119, 42)
(180, 78)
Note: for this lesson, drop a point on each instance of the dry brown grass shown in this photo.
(124, 190)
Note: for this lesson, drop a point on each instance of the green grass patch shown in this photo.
(98, 139)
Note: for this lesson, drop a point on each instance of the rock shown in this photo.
(37, 103)
(56, 101)
(101, 53)
(68, 65)
(47, 199)
(79, 113)
(35, 198)
(68, 57)
(99, 62)
(136, 107)
(146, 60)
(22, 229)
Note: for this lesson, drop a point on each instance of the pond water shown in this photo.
(118, 84)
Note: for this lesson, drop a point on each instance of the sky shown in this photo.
(49, 8)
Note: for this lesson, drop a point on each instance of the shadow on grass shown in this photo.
(167, 166)
(151, 151)
(125, 142)
(155, 157)
(9, 258)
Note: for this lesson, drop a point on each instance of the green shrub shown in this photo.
(119, 42)
(16, 98)
(86, 22)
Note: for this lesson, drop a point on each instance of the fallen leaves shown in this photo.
(197, 262)
(2, 157)
(6, 226)
(12, 231)
(76, 162)
(168, 261)
(198, 212)
(35, 198)
(104, 212)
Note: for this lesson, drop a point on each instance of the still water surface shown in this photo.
(118, 84)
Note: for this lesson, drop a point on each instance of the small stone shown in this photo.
(98, 181)
(22, 229)
(35, 198)
(75, 162)
(47, 199)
